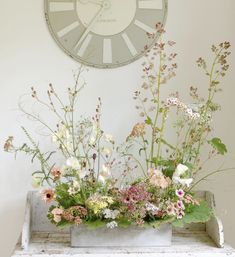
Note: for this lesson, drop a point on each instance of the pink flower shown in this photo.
(180, 204)
(48, 195)
(180, 193)
(170, 210)
(57, 212)
(77, 220)
(56, 173)
(158, 179)
(180, 215)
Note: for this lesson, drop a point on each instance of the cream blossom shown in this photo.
(109, 138)
(107, 151)
(176, 178)
(73, 163)
(105, 173)
(74, 188)
(61, 134)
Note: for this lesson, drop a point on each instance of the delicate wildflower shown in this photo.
(152, 208)
(8, 144)
(109, 138)
(68, 216)
(140, 222)
(74, 188)
(110, 214)
(170, 209)
(180, 205)
(61, 134)
(77, 220)
(73, 163)
(57, 212)
(180, 193)
(138, 130)
(107, 151)
(98, 202)
(56, 173)
(112, 224)
(134, 194)
(180, 214)
(158, 179)
(48, 195)
(176, 178)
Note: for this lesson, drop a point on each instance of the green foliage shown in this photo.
(197, 214)
(148, 121)
(218, 145)
(95, 224)
(62, 195)
(124, 223)
(158, 223)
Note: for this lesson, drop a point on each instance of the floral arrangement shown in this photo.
(99, 183)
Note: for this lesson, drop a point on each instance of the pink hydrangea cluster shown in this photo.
(133, 196)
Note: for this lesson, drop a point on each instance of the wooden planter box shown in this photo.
(132, 236)
(36, 223)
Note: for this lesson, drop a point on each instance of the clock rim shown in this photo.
(101, 66)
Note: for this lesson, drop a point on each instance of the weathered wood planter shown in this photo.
(121, 237)
(36, 222)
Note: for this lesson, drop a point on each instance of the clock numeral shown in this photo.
(107, 51)
(61, 6)
(150, 4)
(84, 45)
(67, 29)
(129, 44)
(144, 27)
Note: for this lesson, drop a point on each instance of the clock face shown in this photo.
(105, 33)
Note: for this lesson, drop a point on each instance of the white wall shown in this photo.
(29, 56)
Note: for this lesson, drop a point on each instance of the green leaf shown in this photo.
(199, 213)
(218, 145)
(148, 121)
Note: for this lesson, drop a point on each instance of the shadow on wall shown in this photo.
(12, 217)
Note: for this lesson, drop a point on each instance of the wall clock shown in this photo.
(104, 33)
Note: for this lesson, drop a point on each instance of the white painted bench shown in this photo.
(39, 238)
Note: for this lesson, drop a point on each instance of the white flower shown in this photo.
(110, 214)
(92, 140)
(107, 151)
(72, 190)
(104, 174)
(112, 224)
(183, 181)
(180, 169)
(61, 134)
(73, 163)
(176, 178)
(102, 179)
(109, 138)
(152, 208)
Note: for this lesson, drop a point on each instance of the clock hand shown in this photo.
(93, 21)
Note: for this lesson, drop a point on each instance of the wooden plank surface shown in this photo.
(185, 243)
